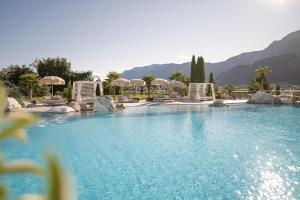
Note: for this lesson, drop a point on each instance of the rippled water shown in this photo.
(240, 152)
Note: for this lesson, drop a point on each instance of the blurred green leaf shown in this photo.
(57, 180)
(3, 192)
(16, 124)
(12, 126)
(2, 100)
(20, 167)
(32, 197)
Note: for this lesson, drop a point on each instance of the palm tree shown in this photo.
(29, 80)
(261, 74)
(110, 77)
(148, 80)
(177, 76)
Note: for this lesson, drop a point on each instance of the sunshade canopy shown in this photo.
(137, 82)
(177, 84)
(122, 82)
(160, 81)
(52, 80)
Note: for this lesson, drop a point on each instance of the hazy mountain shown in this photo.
(285, 68)
(288, 44)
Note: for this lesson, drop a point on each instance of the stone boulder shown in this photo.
(218, 102)
(75, 105)
(264, 98)
(120, 106)
(61, 109)
(104, 104)
(86, 107)
(12, 104)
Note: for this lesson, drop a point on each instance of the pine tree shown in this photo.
(193, 66)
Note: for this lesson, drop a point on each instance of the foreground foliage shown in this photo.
(12, 125)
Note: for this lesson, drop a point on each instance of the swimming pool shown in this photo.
(185, 152)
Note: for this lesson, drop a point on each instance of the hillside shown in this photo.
(290, 44)
(285, 68)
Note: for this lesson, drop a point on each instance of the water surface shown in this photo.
(185, 152)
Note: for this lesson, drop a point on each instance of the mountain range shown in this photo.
(283, 56)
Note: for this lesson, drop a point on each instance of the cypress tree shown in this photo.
(211, 80)
(200, 71)
(200, 63)
(193, 66)
(197, 70)
(98, 91)
(277, 89)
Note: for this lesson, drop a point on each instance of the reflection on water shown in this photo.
(272, 180)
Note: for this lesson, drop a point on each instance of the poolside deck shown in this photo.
(45, 108)
(206, 102)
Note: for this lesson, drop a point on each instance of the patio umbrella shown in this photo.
(177, 84)
(160, 81)
(137, 82)
(122, 82)
(52, 80)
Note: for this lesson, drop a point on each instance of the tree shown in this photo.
(29, 81)
(81, 76)
(212, 80)
(12, 73)
(54, 67)
(113, 76)
(41, 90)
(193, 65)
(148, 80)
(69, 90)
(200, 71)
(229, 89)
(98, 92)
(277, 89)
(261, 77)
(110, 77)
(177, 76)
(260, 81)
(254, 86)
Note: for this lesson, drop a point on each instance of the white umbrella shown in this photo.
(160, 81)
(137, 83)
(52, 80)
(178, 84)
(122, 82)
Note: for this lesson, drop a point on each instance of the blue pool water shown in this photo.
(239, 152)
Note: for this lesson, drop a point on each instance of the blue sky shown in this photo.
(117, 35)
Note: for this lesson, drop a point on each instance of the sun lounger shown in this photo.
(54, 100)
(161, 99)
(125, 99)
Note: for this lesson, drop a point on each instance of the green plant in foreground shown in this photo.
(12, 125)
